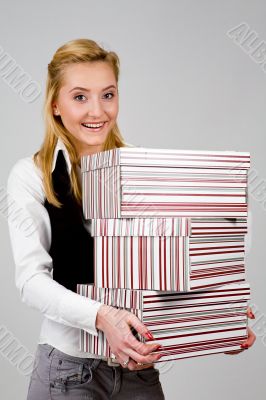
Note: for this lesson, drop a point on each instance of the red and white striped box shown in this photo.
(216, 251)
(185, 324)
(172, 254)
(138, 182)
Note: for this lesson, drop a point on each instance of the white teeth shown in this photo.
(93, 125)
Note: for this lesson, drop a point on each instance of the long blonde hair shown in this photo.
(74, 51)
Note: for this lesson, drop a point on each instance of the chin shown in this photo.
(94, 142)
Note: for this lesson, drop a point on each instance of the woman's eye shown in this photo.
(79, 95)
(112, 94)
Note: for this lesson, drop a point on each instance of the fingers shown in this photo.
(130, 342)
(140, 327)
(127, 323)
(133, 343)
(245, 345)
(250, 313)
(127, 362)
(138, 351)
(139, 358)
(132, 365)
(144, 349)
(121, 359)
(125, 346)
(250, 339)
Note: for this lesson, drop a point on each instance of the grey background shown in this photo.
(185, 84)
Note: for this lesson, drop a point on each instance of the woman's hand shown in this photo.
(250, 339)
(116, 325)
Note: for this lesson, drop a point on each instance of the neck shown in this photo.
(86, 150)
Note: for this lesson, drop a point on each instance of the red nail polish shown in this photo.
(150, 336)
(244, 346)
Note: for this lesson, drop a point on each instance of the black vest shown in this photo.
(72, 246)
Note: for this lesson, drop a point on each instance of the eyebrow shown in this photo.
(87, 90)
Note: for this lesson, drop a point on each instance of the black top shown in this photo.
(72, 246)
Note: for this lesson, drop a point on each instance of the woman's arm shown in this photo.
(30, 235)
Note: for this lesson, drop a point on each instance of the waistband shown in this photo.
(49, 350)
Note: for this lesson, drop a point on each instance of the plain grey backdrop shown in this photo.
(190, 79)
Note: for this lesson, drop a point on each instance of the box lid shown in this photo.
(141, 227)
(139, 156)
(145, 299)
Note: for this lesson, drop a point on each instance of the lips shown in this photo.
(94, 129)
(86, 125)
(93, 123)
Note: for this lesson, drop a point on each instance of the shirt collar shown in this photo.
(61, 146)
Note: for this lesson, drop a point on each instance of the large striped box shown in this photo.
(143, 182)
(185, 324)
(172, 254)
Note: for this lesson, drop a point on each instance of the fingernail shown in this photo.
(244, 346)
(150, 336)
(252, 315)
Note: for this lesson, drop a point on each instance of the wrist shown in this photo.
(100, 317)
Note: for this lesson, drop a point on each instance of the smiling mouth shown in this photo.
(94, 127)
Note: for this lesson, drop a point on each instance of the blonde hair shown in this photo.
(74, 51)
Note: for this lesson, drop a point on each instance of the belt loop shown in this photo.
(81, 367)
(95, 363)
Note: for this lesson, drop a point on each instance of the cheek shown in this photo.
(74, 114)
(113, 112)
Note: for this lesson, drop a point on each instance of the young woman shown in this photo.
(55, 252)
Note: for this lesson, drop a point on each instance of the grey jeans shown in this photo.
(57, 376)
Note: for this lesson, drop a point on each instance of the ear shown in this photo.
(55, 110)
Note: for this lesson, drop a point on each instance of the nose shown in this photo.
(95, 108)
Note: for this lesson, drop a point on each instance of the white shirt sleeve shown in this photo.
(30, 234)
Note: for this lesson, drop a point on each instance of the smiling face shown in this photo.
(89, 95)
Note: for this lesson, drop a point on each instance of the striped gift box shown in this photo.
(172, 254)
(133, 182)
(185, 324)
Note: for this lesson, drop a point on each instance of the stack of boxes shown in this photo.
(169, 232)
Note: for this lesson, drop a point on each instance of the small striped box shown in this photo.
(171, 254)
(185, 324)
(138, 182)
